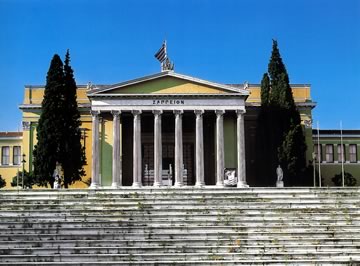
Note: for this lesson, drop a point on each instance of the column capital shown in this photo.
(199, 112)
(95, 112)
(115, 112)
(240, 112)
(178, 112)
(157, 112)
(136, 112)
(219, 112)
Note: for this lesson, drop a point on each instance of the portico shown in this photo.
(172, 96)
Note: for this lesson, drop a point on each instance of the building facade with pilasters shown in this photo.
(160, 125)
(165, 129)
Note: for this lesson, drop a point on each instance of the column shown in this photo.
(220, 163)
(157, 149)
(241, 167)
(116, 163)
(137, 149)
(200, 181)
(95, 167)
(178, 149)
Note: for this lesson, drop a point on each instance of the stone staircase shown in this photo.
(186, 226)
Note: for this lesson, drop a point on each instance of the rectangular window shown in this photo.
(353, 153)
(329, 153)
(341, 153)
(316, 150)
(5, 155)
(16, 155)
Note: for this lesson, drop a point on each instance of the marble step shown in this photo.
(79, 258)
(216, 221)
(282, 262)
(256, 250)
(257, 242)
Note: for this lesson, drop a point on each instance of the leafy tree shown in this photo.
(72, 154)
(58, 130)
(349, 180)
(29, 180)
(2, 182)
(280, 134)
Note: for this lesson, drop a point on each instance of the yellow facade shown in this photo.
(33, 96)
(10, 167)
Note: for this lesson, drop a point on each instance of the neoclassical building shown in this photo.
(165, 129)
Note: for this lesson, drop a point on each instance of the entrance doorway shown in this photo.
(168, 163)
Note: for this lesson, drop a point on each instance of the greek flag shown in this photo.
(161, 54)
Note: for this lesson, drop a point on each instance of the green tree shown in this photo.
(280, 136)
(51, 124)
(265, 90)
(29, 180)
(58, 131)
(72, 154)
(349, 180)
(2, 182)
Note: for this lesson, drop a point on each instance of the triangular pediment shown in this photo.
(167, 83)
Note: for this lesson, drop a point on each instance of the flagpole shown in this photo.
(342, 156)
(319, 152)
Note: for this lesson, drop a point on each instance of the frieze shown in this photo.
(168, 102)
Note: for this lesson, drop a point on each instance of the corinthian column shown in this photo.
(137, 149)
(95, 165)
(199, 149)
(220, 163)
(241, 167)
(116, 164)
(157, 149)
(178, 149)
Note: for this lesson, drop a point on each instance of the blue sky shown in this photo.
(223, 41)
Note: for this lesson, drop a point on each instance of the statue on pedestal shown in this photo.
(280, 176)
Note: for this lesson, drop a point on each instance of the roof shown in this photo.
(330, 133)
(11, 135)
(229, 88)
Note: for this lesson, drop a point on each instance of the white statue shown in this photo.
(230, 178)
(280, 176)
(57, 182)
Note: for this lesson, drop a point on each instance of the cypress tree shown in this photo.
(58, 131)
(72, 153)
(265, 90)
(51, 124)
(279, 121)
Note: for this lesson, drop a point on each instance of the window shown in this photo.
(16, 155)
(5, 155)
(341, 152)
(316, 150)
(353, 153)
(329, 153)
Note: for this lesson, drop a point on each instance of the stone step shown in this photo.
(243, 249)
(115, 216)
(195, 229)
(189, 199)
(79, 258)
(94, 235)
(258, 242)
(145, 223)
(280, 262)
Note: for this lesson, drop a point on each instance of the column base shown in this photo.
(200, 184)
(220, 183)
(136, 185)
(94, 185)
(115, 185)
(242, 184)
(178, 184)
(157, 184)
